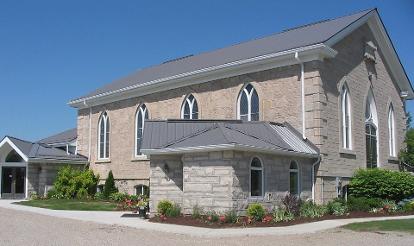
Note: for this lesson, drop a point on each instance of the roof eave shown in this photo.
(259, 63)
(57, 161)
(223, 147)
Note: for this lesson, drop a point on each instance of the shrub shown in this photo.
(363, 204)
(164, 206)
(256, 211)
(175, 211)
(109, 187)
(281, 214)
(197, 212)
(389, 206)
(337, 207)
(118, 196)
(311, 210)
(407, 204)
(291, 203)
(99, 196)
(381, 183)
(212, 216)
(70, 181)
(82, 194)
(231, 217)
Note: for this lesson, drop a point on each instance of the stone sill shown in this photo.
(347, 152)
(393, 159)
(103, 161)
(140, 158)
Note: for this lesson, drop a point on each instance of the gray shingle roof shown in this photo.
(290, 39)
(62, 137)
(41, 151)
(184, 135)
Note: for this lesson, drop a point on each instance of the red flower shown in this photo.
(268, 218)
(222, 218)
(209, 218)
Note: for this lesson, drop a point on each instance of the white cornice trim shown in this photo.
(57, 161)
(222, 147)
(7, 140)
(259, 63)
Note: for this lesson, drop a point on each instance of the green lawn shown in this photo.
(404, 225)
(73, 204)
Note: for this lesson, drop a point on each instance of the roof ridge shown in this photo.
(190, 136)
(8, 136)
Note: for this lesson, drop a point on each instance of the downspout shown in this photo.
(90, 131)
(302, 81)
(313, 176)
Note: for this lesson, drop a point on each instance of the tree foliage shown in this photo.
(109, 187)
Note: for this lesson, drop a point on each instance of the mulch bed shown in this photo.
(189, 221)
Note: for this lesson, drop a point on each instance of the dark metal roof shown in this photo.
(61, 138)
(302, 36)
(181, 135)
(41, 151)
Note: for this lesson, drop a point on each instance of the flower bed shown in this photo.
(244, 221)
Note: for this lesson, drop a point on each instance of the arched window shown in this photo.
(248, 104)
(294, 188)
(371, 129)
(13, 156)
(103, 147)
(189, 109)
(346, 118)
(256, 178)
(141, 116)
(142, 190)
(391, 131)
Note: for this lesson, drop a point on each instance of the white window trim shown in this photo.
(298, 176)
(249, 102)
(373, 120)
(142, 111)
(346, 111)
(190, 104)
(103, 119)
(250, 178)
(391, 132)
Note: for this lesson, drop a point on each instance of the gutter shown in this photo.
(302, 81)
(283, 58)
(313, 176)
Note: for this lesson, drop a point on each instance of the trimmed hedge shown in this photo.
(381, 183)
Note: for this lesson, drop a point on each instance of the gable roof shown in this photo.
(313, 40)
(65, 137)
(36, 152)
(181, 136)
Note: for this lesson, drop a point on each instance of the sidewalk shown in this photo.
(114, 218)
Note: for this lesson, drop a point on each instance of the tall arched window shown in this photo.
(248, 104)
(371, 129)
(391, 131)
(294, 188)
(346, 118)
(141, 116)
(103, 148)
(256, 178)
(189, 109)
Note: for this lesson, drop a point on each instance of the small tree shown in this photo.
(109, 187)
(407, 155)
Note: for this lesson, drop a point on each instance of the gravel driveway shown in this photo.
(25, 228)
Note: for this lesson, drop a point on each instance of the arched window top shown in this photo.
(293, 166)
(371, 110)
(346, 117)
(248, 104)
(391, 132)
(189, 109)
(103, 146)
(13, 156)
(141, 117)
(256, 163)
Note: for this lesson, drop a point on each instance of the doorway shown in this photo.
(13, 182)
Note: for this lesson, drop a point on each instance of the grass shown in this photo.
(404, 225)
(72, 204)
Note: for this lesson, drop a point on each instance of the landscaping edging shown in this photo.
(114, 218)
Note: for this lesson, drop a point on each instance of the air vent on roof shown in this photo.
(310, 24)
(177, 59)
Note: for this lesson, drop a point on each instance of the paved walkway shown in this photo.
(114, 218)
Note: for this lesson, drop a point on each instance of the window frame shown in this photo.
(372, 121)
(191, 104)
(391, 132)
(346, 118)
(249, 95)
(104, 119)
(261, 169)
(297, 171)
(143, 110)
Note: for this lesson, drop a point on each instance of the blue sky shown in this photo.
(54, 51)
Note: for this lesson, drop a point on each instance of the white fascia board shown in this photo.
(7, 140)
(385, 44)
(56, 161)
(222, 147)
(255, 64)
